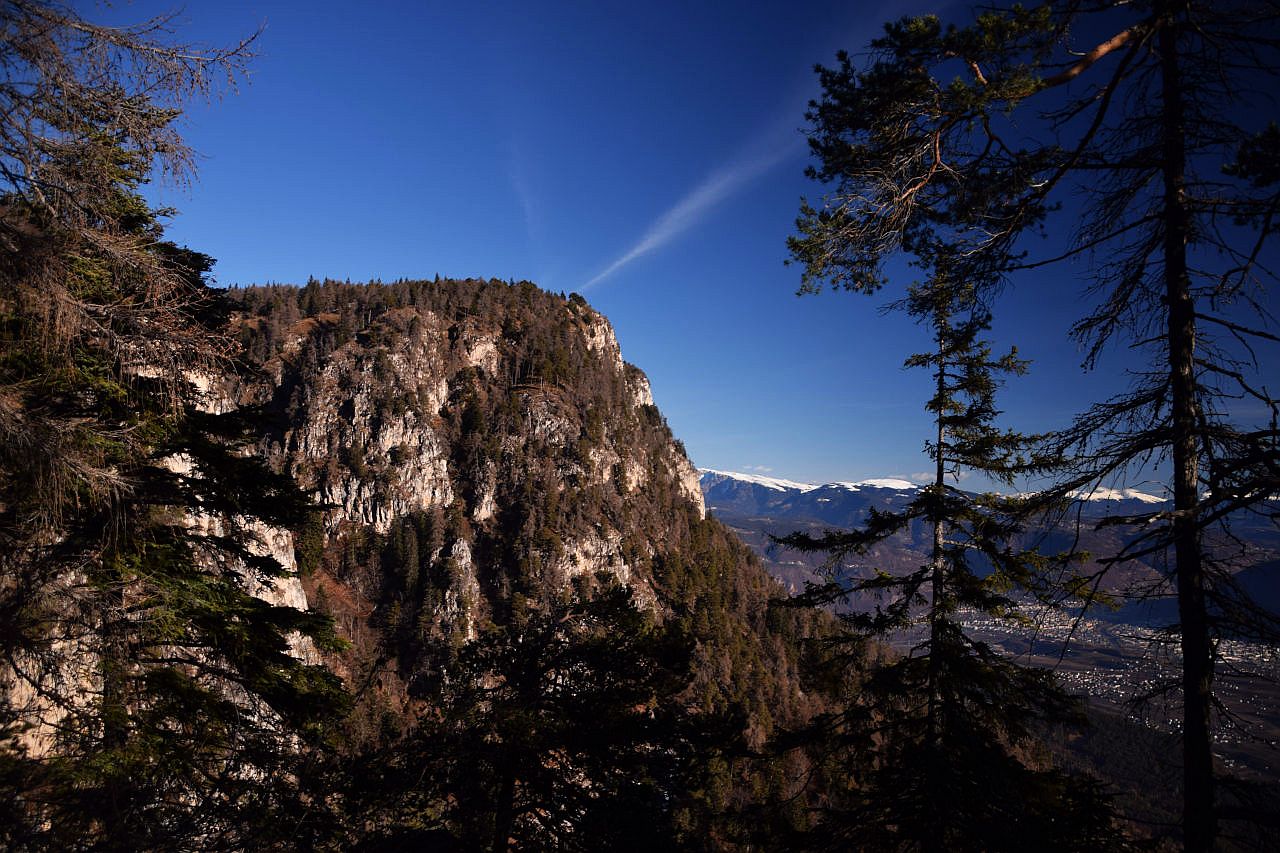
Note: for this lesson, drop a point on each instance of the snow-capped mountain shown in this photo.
(843, 504)
(711, 475)
(1101, 493)
(757, 508)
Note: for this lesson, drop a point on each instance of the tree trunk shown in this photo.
(935, 838)
(937, 578)
(504, 812)
(1199, 822)
(113, 667)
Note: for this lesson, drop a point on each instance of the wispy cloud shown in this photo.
(714, 189)
(518, 177)
(770, 148)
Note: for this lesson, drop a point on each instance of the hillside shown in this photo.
(484, 458)
(1111, 658)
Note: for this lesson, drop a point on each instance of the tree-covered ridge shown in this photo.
(554, 467)
(511, 624)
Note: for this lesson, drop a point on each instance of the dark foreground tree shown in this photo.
(151, 694)
(950, 724)
(1149, 125)
(557, 731)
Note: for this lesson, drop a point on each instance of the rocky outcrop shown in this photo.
(501, 404)
(47, 687)
(485, 455)
(362, 437)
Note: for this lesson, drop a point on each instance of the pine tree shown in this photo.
(949, 722)
(1159, 125)
(556, 731)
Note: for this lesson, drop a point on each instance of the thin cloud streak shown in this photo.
(771, 148)
(694, 207)
(518, 177)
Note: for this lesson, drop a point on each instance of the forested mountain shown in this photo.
(1110, 658)
(420, 565)
(488, 467)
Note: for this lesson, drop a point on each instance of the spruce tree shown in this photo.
(559, 730)
(1147, 124)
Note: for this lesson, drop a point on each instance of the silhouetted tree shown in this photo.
(556, 731)
(151, 697)
(1159, 124)
(950, 724)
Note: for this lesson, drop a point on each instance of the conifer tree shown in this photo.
(1155, 137)
(556, 731)
(151, 697)
(949, 722)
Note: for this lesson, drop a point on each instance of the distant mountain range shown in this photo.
(846, 503)
(757, 507)
(840, 504)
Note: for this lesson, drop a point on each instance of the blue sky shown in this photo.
(647, 155)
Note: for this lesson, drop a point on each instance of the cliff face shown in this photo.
(480, 447)
(60, 683)
(479, 401)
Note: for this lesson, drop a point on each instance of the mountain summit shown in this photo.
(490, 469)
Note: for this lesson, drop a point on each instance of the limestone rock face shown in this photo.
(476, 451)
(690, 484)
(265, 540)
(68, 668)
(639, 388)
(602, 342)
(504, 413)
(361, 435)
(50, 689)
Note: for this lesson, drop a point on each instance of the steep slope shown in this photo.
(505, 411)
(481, 452)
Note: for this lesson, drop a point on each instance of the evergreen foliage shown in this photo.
(153, 697)
(560, 730)
(462, 586)
(149, 697)
(941, 740)
(975, 136)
